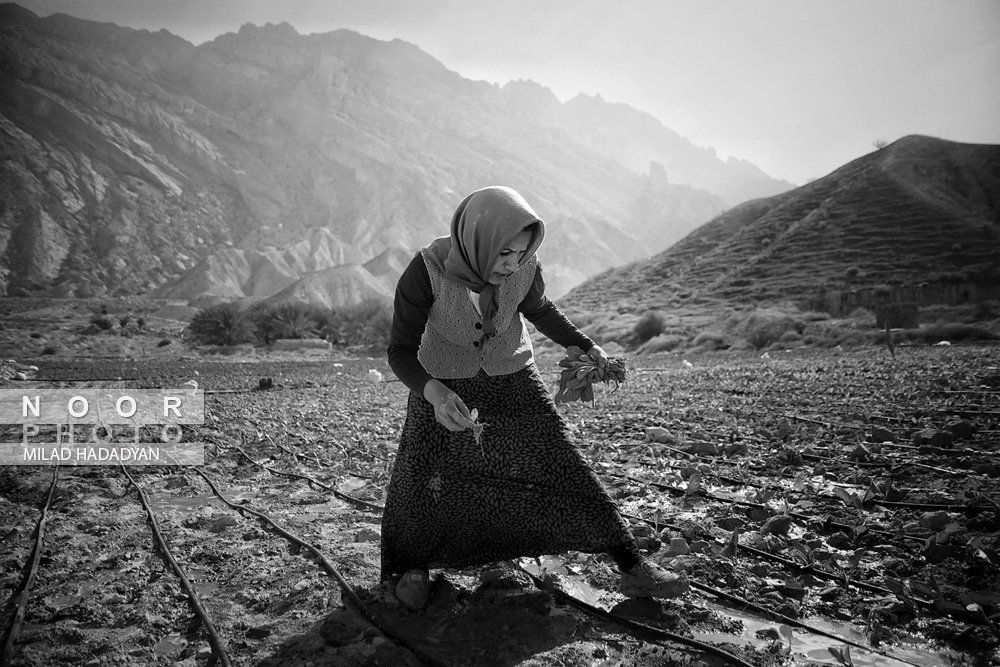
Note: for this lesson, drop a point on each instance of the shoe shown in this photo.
(649, 580)
(412, 589)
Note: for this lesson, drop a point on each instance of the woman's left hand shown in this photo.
(598, 355)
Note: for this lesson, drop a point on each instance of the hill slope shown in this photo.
(132, 157)
(921, 213)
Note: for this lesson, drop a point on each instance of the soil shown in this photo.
(804, 483)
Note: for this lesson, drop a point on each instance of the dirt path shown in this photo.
(765, 479)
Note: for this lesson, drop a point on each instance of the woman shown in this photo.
(465, 492)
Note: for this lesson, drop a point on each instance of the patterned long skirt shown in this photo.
(524, 490)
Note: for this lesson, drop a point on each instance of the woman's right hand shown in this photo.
(449, 409)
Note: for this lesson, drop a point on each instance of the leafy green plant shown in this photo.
(225, 323)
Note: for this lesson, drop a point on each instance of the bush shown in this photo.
(815, 316)
(164, 342)
(225, 323)
(661, 343)
(102, 322)
(288, 320)
(955, 332)
(48, 350)
(861, 314)
(367, 324)
(987, 309)
(649, 325)
(710, 340)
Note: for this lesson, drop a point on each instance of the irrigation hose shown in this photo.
(635, 626)
(23, 592)
(330, 569)
(793, 622)
(218, 648)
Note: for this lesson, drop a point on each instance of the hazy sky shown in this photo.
(798, 87)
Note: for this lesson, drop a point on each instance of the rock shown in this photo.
(659, 434)
(792, 589)
(176, 482)
(20, 376)
(701, 447)
(859, 453)
(641, 530)
(367, 535)
(222, 523)
(933, 438)
(936, 553)
(881, 435)
(679, 547)
(839, 541)
(779, 524)
(935, 521)
(301, 585)
(962, 430)
(829, 594)
(700, 547)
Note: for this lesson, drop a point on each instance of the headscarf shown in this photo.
(484, 223)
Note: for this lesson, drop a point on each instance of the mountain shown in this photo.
(917, 221)
(134, 162)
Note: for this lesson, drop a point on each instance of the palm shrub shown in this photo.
(368, 323)
(226, 323)
(293, 319)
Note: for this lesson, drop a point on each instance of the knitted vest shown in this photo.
(450, 346)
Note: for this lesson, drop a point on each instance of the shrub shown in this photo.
(710, 340)
(287, 320)
(859, 314)
(987, 309)
(124, 320)
(164, 342)
(102, 322)
(852, 273)
(367, 324)
(226, 323)
(956, 332)
(140, 322)
(49, 349)
(661, 343)
(649, 325)
(815, 316)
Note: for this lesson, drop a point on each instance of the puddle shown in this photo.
(566, 580)
(81, 591)
(170, 644)
(816, 647)
(183, 503)
(199, 576)
(194, 503)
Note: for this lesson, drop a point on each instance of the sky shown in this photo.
(797, 87)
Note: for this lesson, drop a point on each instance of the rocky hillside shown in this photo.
(918, 220)
(134, 161)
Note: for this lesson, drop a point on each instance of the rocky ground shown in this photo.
(837, 492)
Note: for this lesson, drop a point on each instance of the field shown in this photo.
(841, 492)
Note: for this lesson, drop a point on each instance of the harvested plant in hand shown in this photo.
(576, 382)
(477, 430)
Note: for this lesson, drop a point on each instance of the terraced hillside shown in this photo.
(921, 211)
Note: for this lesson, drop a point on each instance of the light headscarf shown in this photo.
(484, 224)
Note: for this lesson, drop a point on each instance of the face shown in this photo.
(510, 257)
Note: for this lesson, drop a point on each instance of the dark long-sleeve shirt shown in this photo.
(414, 298)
